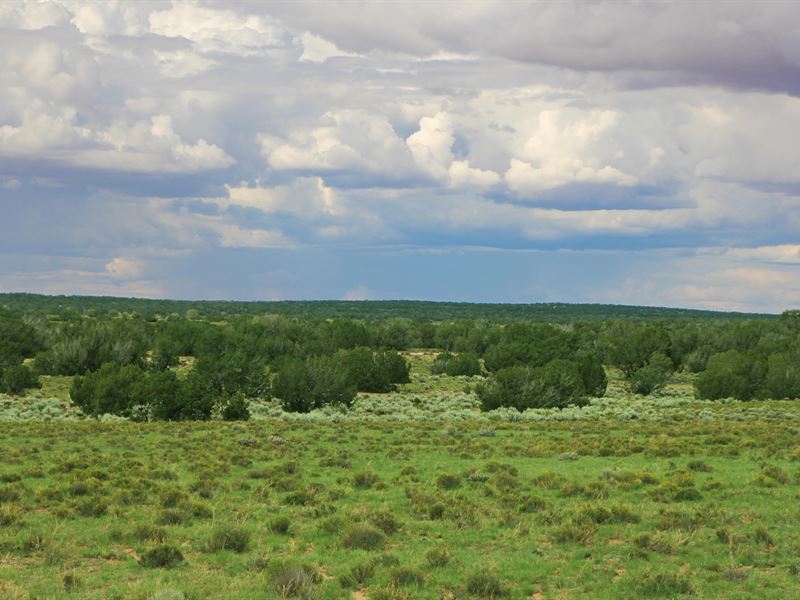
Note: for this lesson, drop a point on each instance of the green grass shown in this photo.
(414, 494)
(563, 509)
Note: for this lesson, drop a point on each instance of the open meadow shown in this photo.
(399, 300)
(413, 494)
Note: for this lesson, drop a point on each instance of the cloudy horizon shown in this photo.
(605, 152)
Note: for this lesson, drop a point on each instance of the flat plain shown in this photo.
(413, 494)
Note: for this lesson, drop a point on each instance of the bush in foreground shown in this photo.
(229, 538)
(162, 557)
(17, 379)
(558, 384)
(303, 385)
(465, 363)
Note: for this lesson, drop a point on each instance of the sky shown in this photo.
(640, 153)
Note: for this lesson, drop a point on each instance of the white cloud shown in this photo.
(431, 147)
(744, 137)
(234, 236)
(318, 50)
(462, 175)
(32, 15)
(183, 63)
(577, 124)
(564, 147)
(40, 132)
(108, 17)
(144, 146)
(122, 267)
(345, 140)
(151, 146)
(218, 30)
(306, 197)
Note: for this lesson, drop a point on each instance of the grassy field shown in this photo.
(430, 501)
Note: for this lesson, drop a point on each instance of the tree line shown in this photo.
(549, 312)
(125, 363)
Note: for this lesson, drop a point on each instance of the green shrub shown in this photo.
(372, 371)
(70, 582)
(761, 536)
(363, 371)
(485, 584)
(93, 507)
(394, 365)
(116, 389)
(9, 494)
(10, 515)
(229, 538)
(404, 576)
(657, 542)
(558, 384)
(573, 531)
(652, 376)
(663, 584)
(292, 580)
(447, 481)
(146, 532)
(17, 379)
(465, 363)
(632, 345)
(303, 385)
(595, 381)
(438, 557)
(782, 379)
(162, 557)
(358, 575)
(280, 525)
(437, 511)
(699, 466)
(235, 408)
(364, 537)
(365, 480)
(385, 521)
(731, 374)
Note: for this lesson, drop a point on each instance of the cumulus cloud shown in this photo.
(318, 50)
(217, 30)
(152, 146)
(305, 197)
(563, 148)
(343, 140)
(122, 267)
(214, 127)
(39, 132)
(33, 15)
(432, 149)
